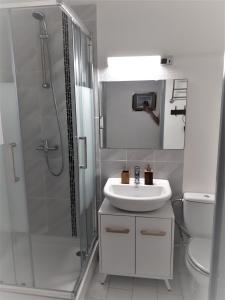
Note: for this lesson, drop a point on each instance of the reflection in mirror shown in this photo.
(143, 114)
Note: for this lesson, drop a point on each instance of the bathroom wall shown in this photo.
(6, 74)
(197, 49)
(165, 163)
(48, 197)
(174, 28)
(174, 126)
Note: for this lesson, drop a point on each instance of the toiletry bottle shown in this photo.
(148, 176)
(125, 176)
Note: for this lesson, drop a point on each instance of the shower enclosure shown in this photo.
(47, 149)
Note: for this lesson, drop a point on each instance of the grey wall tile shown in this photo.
(140, 154)
(38, 215)
(57, 186)
(142, 164)
(111, 168)
(113, 155)
(35, 172)
(38, 119)
(59, 216)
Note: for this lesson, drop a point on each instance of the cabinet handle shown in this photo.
(153, 232)
(117, 230)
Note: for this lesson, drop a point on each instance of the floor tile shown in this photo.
(169, 297)
(175, 285)
(144, 289)
(145, 282)
(98, 277)
(97, 291)
(118, 294)
(142, 292)
(127, 288)
(121, 282)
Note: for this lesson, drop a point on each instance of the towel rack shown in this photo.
(179, 92)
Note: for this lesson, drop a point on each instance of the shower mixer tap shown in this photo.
(45, 147)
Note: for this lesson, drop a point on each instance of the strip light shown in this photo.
(130, 66)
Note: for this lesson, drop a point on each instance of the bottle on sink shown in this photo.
(125, 176)
(148, 176)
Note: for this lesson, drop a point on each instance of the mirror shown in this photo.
(143, 114)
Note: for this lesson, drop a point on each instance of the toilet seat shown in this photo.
(199, 254)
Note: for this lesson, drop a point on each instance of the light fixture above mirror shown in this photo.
(136, 67)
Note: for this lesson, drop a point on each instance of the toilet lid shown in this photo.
(199, 251)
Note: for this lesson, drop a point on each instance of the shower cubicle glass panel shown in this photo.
(84, 107)
(15, 248)
(39, 68)
(47, 153)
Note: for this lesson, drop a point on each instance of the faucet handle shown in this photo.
(137, 174)
(137, 169)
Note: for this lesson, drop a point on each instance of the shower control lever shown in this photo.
(45, 147)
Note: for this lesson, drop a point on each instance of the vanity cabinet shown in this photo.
(136, 244)
(117, 235)
(153, 247)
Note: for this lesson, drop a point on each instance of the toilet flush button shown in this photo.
(206, 196)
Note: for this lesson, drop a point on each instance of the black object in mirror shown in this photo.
(146, 99)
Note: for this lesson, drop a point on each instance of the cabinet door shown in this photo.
(153, 247)
(117, 244)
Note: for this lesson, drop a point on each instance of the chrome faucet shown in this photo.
(137, 174)
(45, 147)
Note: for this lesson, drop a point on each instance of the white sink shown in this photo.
(137, 197)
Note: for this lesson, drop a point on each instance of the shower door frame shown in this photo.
(93, 244)
(39, 291)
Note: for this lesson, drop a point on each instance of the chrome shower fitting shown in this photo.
(44, 40)
(47, 70)
(45, 147)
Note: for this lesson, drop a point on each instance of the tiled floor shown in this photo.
(127, 288)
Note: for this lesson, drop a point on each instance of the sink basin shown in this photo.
(137, 197)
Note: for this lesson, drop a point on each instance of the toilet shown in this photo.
(198, 209)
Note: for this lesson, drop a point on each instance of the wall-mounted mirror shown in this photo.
(143, 114)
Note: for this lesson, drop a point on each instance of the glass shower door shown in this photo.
(14, 216)
(85, 139)
(84, 98)
(15, 250)
(7, 268)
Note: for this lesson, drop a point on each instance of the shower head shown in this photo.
(38, 15)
